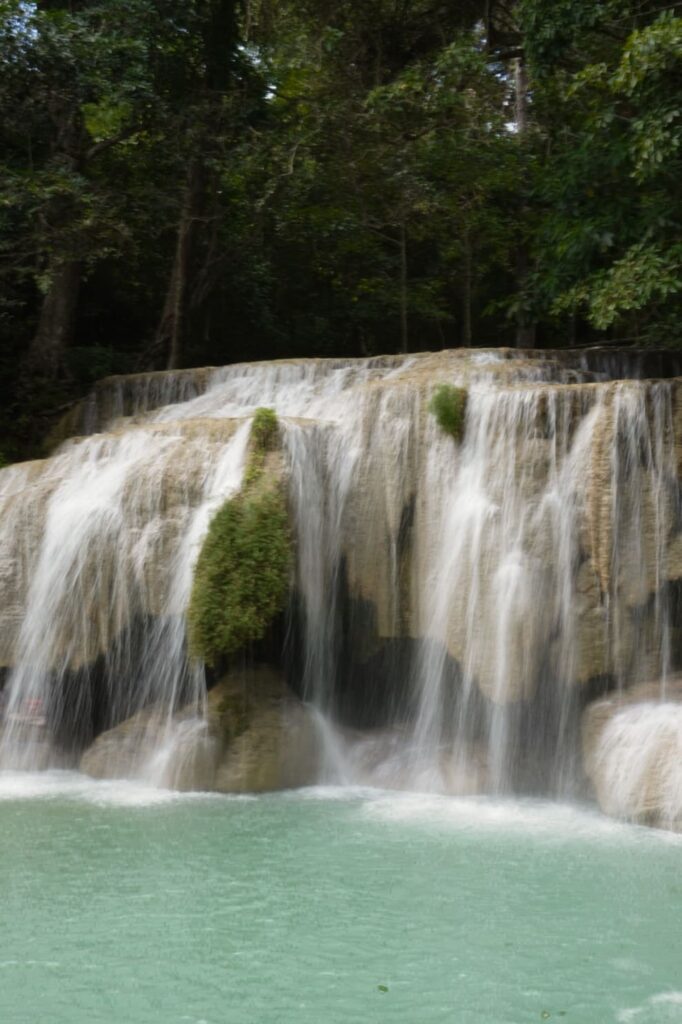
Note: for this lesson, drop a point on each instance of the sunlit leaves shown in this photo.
(608, 90)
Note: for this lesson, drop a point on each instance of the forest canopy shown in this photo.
(189, 182)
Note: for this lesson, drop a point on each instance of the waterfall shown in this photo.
(637, 763)
(507, 572)
(455, 605)
(101, 539)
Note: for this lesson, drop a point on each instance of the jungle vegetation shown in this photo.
(190, 182)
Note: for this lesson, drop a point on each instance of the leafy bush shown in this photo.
(448, 404)
(242, 575)
(86, 365)
(241, 578)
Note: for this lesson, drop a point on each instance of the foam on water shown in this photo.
(348, 793)
(661, 1008)
(546, 821)
(70, 785)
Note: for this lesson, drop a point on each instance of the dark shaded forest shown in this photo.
(191, 182)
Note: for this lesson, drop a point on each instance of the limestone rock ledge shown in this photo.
(632, 754)
(256, 737)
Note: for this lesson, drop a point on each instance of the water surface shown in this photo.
(128, 905)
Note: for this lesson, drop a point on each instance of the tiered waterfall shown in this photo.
(490, 613)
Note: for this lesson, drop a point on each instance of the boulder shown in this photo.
(269, 739)
(123, 752)
(255, 736)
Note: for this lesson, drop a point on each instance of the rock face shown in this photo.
(94, 537)
(256, 736)
(545, 536)
(135, 395)
(632, 750)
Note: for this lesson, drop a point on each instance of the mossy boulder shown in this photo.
(269, 739)
(241, 580)
(256, 736)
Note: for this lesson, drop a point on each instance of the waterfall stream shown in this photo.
(455, 606)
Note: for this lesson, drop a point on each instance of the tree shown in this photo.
(387, 135)
(221, 96)
(77, 84)
(607, 90)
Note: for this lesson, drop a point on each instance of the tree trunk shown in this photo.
(466, 295)
(57, 314)
(521, 97)
(404, 335)
(525, 328)
(171, 329)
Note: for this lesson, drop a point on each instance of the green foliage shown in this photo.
(88, 364)
(241, 578)
(448, 404)
(348, 173)
(642, 278)
(264, 429)
(263, 439)
(609, 186)
(402, 183)
(242, 575)
(234, 711)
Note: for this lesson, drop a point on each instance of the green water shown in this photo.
(129, 906)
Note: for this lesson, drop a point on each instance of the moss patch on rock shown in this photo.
(448, 404)
(234, 712)
(241, 580)
(264, 438)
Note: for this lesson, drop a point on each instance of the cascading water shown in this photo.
(105, 572)
(455, 605)
(512, 590)
(638, 763)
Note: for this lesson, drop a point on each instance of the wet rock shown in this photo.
(124, 751)
(592, 654)
(132, 395)
(256, 736)
(270, 738)
(632, 754)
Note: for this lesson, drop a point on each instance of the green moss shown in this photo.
(448, 404)
(241, 580)
(242, 575)
(234, 712)
(264, 438)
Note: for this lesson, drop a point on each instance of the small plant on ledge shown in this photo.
(448, 404)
